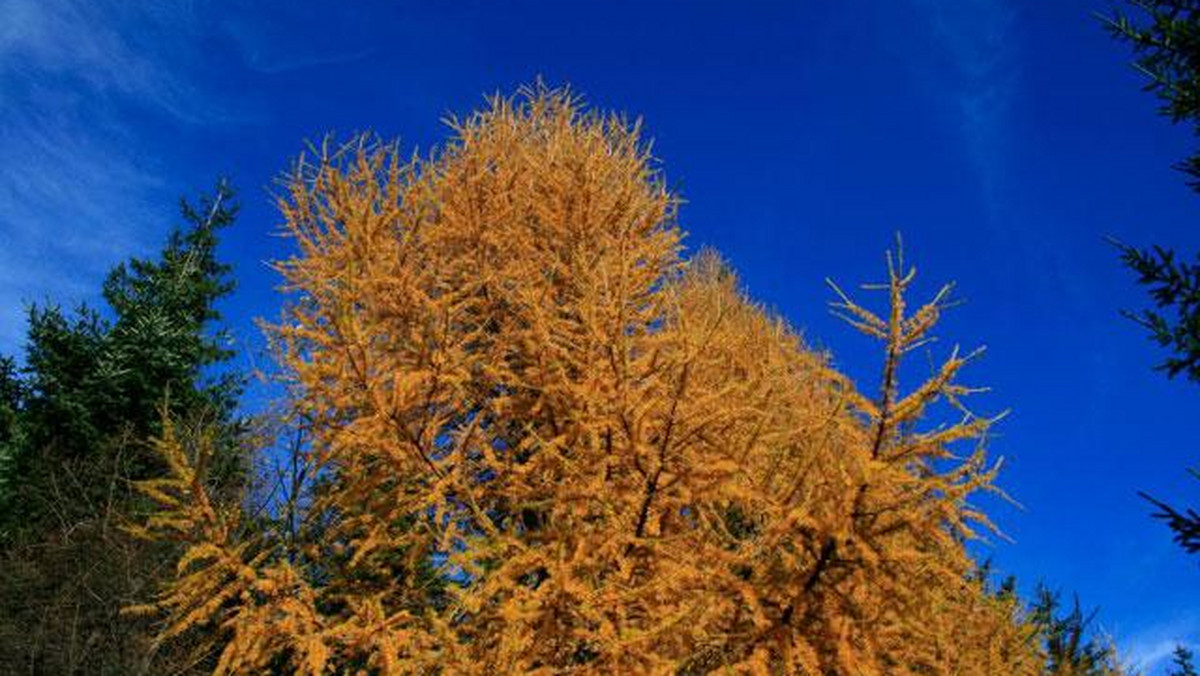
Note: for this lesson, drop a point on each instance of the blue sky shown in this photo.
(1004, 139)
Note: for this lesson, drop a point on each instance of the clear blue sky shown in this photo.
(1004, 139)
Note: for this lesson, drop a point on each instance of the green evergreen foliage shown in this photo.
(11, 395)
(1065, 637)
(1175, 288)
(1070, 648)
(1185, 523)
(1165, 38)
(163, 306)
(75, 425)
(89, 382)
(1183, 663)
(65, 400)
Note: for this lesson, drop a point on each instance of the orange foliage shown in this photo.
(611, 459)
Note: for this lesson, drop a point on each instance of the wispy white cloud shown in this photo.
(96, 97)
(77, 181)
(978, 39)
(1150, 649)
(101, 48)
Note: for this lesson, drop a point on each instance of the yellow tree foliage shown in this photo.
(547, 443)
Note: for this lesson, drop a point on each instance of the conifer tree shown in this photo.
(89, 381)
(11, 395)
(1183, 663)
(1165, 37)
(74, 431)
(548, 443)
(1070, 648)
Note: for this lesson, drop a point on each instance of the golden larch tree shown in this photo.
(547, 443)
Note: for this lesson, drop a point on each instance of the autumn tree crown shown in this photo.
(546, 442)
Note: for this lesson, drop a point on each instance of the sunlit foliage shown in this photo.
(546, 442)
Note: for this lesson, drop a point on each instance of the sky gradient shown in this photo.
(1005, 140)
